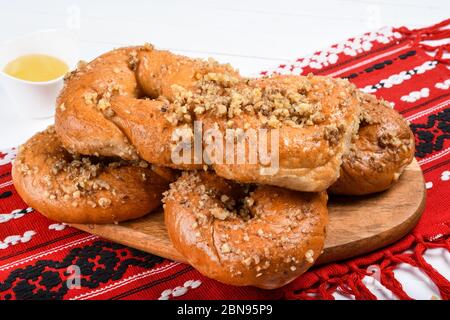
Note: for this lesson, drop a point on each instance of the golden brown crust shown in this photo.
(80, 120)
(76, 189)
(148, 130)
(242, 235)
(159, 71)
(380, 151)
(312, 140)
(102, 112)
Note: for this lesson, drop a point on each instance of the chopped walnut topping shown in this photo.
(109, 113)
(220, 213)
(333, 133)
(227, 96)
(365, 118)
(273, 122)
(90, 98)
(309, 255)
(225, 248)
(133, 60)
(104, 202)
(103, 103)
(249, 201)
(143, 164)
(199, 110)
(91, 203)
(387, 139)
(76, 194)
(247, 261)
(81, 64)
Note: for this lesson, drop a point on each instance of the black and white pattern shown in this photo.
(431, 135)
(381, 65)
(399, 78)
(15, 214)
(99, 263)
(16, 239)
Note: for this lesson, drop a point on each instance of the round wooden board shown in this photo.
(357, 225)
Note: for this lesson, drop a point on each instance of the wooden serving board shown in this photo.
(357, 224)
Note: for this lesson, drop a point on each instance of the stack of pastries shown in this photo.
(109, 158)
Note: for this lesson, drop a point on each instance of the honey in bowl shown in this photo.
(36, 68)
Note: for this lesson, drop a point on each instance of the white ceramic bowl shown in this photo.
(37, 99)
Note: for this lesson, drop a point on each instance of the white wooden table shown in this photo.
(252, 35)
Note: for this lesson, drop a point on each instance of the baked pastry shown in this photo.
(121, 81)
(131, 102)
(379, 153)
(313, 119)
(242, 235)
(80, 189)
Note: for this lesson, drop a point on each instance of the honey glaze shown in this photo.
(36, 67)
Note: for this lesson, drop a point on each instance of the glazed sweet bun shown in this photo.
(130, 102)
(379, 153)
(78, 189)
(312, 119)
(101, 101)
(242, 235)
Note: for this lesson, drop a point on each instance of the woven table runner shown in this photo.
(42, 259)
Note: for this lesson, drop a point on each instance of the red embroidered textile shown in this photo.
(38, 257)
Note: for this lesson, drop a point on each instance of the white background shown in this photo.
(252, 35)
